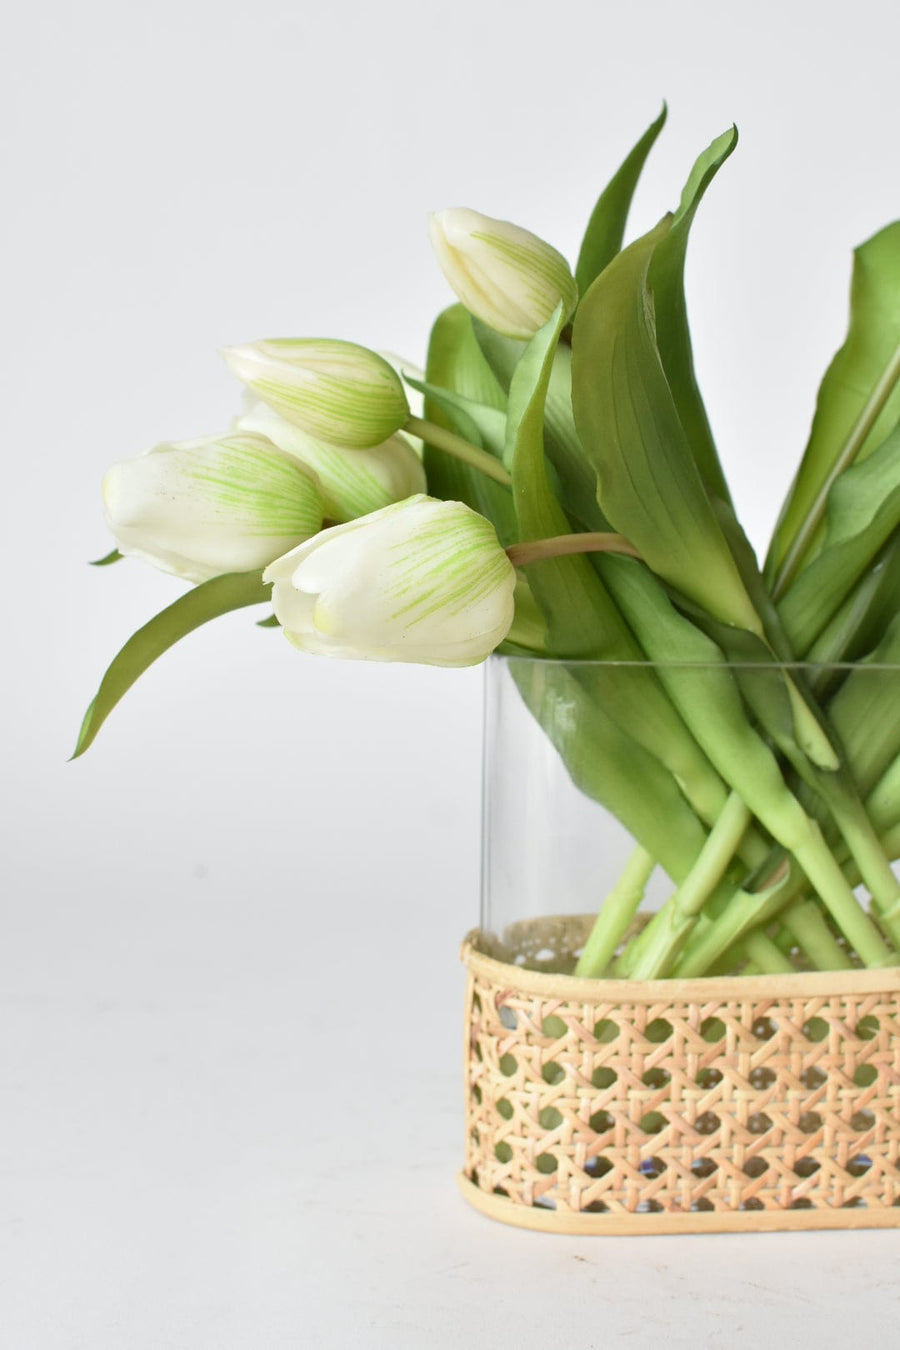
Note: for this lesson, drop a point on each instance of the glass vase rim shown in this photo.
(588, 663)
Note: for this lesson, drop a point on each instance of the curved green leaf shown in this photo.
(863, 513)
(582, 620)
(866, 711)
(606, 227)
(576, 475)
(858, 625)
(666, 283)
(650, 486)
(456, 363)
(608, 765)
(858, 403)
(111, 557)
(206, 601)
(479, 423)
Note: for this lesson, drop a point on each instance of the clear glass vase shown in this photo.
(767, 794)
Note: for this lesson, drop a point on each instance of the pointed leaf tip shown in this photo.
(606, 227)
(207, 601)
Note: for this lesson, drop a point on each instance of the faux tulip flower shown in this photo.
(504, 275)
(423, 581)
(353, 482)
(337, 391)
(201, 508)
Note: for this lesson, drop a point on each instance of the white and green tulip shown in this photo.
(202, 508)
(336, 391)
(423, 581)
(353, 482)
(504, 275)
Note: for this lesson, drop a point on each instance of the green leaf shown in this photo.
(577, 477)
(858, 403)
(479, 423)
(270, 622)
(711, 704)
(783, 708)
(578, 473)
(730, 665)
(455, 363)
(206, 601)
(112, 557)
(666, 282)
(608, 765)
(866, 711)
(782, 702)
(606, 227)
(863, 511)
(651, 489)
(528, 634)
(581, 618)
(858, 625)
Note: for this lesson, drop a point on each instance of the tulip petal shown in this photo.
(422, 580)
(353, 482)
(200, 508)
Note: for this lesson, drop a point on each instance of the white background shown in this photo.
(224, 1121)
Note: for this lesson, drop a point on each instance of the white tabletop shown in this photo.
(216, 1139)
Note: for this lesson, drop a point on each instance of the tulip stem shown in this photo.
(535, 550)
(767, 958)
(616, 914)
(451, 444)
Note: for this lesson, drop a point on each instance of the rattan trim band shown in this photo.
(636, 1225)
(800, 984)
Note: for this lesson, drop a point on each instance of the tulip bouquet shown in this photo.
(549, 487)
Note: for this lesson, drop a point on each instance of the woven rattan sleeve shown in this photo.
(595, 1103)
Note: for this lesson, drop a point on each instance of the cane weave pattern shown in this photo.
(676, 1097)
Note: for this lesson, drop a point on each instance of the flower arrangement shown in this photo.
(549, 486)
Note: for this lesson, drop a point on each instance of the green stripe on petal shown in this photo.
(505, 276)
(422, 580)
(337, 391)
(353, 482)
(201, 508)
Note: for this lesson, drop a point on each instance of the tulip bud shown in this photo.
(504, 275)
(337, 391)
(352, 482)
(421, 581)
(201, 508)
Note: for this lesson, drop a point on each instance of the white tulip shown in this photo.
(504, 275)
(337, 391)
(422, 581)
(353, 482)
(201, 508)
